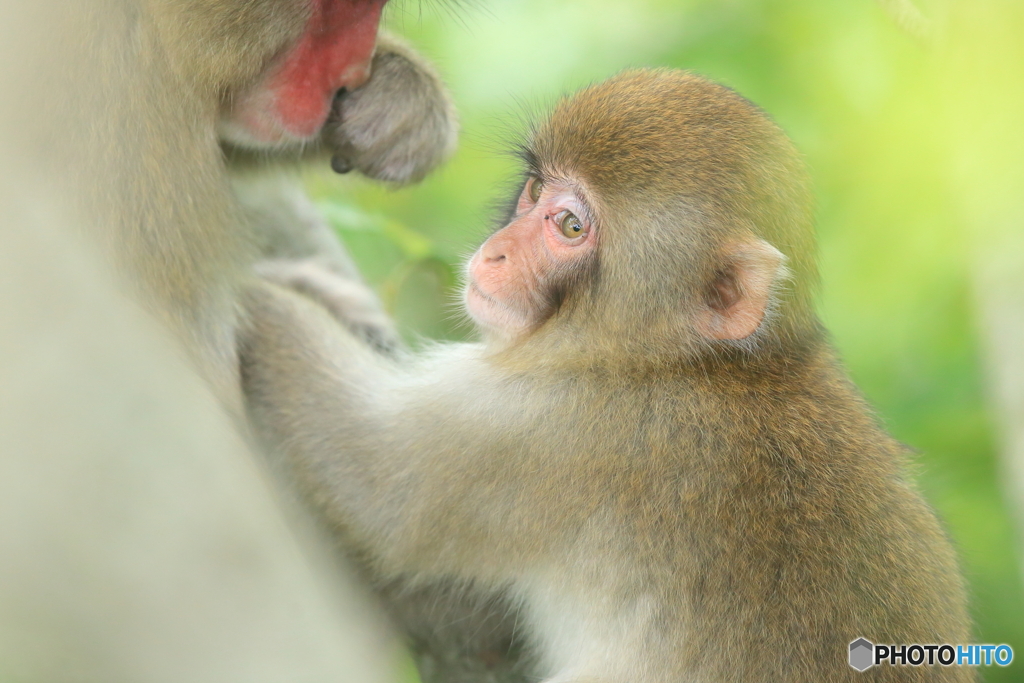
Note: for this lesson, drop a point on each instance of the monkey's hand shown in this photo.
(398, 126)
(349, 301)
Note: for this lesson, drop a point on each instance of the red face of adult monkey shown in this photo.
(654, 454)
(330, 47)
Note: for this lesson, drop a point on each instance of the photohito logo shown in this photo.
(864, 654)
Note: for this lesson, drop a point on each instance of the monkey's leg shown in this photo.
(458, 635)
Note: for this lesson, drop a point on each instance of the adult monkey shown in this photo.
(265, 75)
(396, 128)
(141, 541)
(654, 452)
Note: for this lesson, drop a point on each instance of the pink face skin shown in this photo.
(509, 278)
(293, 99)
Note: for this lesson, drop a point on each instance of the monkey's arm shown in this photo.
(405, 466)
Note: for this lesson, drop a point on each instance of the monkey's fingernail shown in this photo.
(340, 164)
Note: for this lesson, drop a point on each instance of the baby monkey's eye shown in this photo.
(536, 185)
(569, 224)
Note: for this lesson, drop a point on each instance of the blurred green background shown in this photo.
(912, 142)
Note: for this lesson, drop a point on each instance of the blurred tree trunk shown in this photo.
(982, 69)
(999, 287)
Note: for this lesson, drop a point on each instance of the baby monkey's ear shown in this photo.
(736, 299)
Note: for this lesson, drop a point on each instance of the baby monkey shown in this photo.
(653, 454)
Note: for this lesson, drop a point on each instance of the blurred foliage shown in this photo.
(906, 140)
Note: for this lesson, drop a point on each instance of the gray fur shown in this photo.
(398, 126)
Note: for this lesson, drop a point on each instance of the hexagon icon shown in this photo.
(862, 654)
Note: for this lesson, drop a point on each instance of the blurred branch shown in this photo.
(412, 244)
(908, 17)
(392, 285)
(418, 251)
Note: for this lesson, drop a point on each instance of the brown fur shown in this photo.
(658, 506)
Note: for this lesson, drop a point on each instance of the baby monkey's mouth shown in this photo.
(492, 312)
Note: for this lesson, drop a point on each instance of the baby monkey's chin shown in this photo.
(494, 318)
